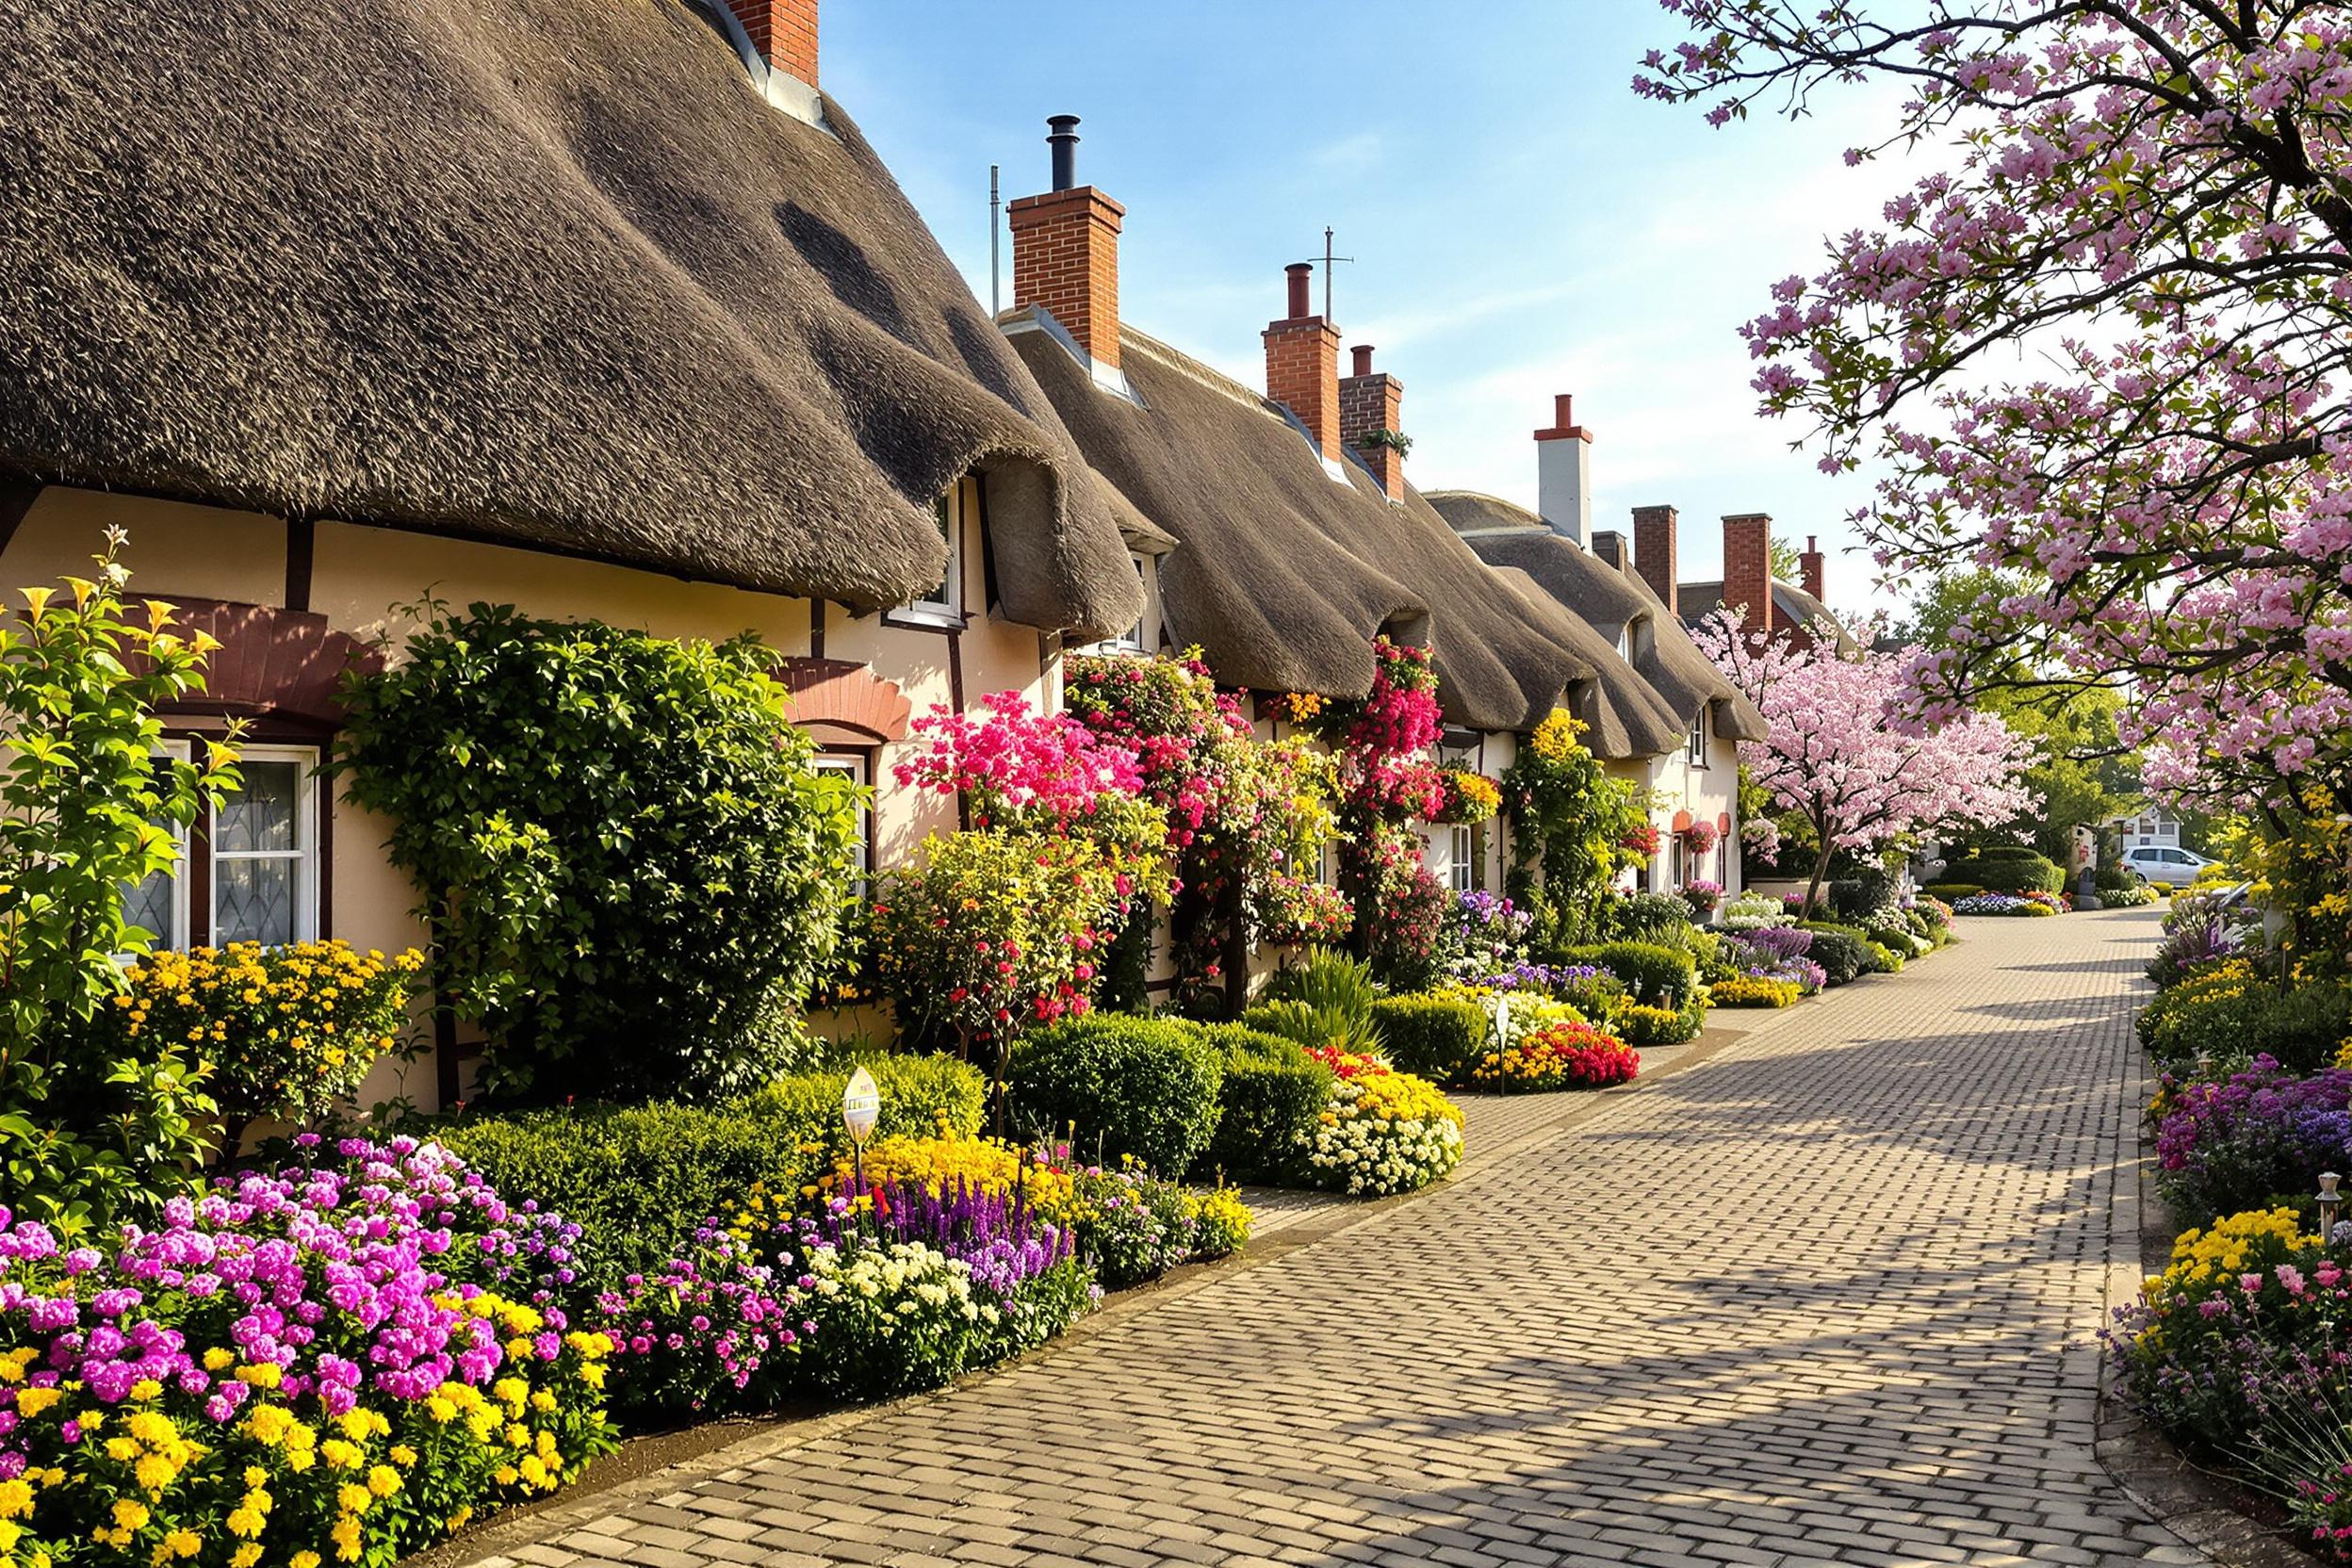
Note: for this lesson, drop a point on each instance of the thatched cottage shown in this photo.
(598, 307)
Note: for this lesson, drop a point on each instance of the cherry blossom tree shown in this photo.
(2149, 203)
(1834, 753)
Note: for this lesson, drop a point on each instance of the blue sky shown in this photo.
(1520, 223)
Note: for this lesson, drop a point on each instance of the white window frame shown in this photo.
(942, 613)
(1697, 738)
(1130, 640)
(1462, 858)
(859, 766)
(178, 936)
(309, 861)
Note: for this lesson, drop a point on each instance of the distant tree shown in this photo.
(1832, 755)
(1788, 564)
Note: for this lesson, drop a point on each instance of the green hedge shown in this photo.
(637, 1180)
(1638, 1025)
(1121, 1085)
(1267, 1105)
(1999, 872)
(2301, 1029)
(1656, 977)
(1950, 891)
(1437, 1037)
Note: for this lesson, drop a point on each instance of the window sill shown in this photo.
(926, 617)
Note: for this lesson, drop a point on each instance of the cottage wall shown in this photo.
(360, 579)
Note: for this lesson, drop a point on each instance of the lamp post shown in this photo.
(861, 1107)
(2329, 1198)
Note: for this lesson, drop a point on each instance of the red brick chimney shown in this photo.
(1654, 531)
(1748, 568)
(1066, 250)
(784, 32)
(1369, 400)
(1810, 563)
(1302, 364)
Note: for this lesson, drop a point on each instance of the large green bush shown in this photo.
(1121, 1086)
(1656, 977)
(1268, 1104)
(1658, 918)
(2007, 870)
(90, 808)
(631, 873)
(639, 1179)
(1842, 952)
(1438, 1038)
(1326, 999)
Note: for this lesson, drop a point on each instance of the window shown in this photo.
(943, 606)
(1130, 640)
(858, 767)
(1625, 641)
(1698, 739)
(254, 875)
(1462, 858)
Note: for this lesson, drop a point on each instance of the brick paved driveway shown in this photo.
(1827, 1295)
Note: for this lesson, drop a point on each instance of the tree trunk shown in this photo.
(1820, 870)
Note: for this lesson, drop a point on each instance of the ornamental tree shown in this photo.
(2150, 202)
(1834, 753)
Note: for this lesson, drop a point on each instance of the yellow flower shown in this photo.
(384, 1480)
(246, 1556)
(16, 1498)
(130, 1514)
(32, 1401)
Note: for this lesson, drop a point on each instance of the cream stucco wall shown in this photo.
(368, 582)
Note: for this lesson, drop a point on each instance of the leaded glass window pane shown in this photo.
(253, 900)
(260, 816)
(149, 904)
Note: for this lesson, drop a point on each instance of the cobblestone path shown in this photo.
(1827, 1295)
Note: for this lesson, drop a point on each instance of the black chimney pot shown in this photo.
(1062, 136)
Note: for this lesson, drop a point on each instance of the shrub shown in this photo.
(93, 807)
(1660, 918)
(1145, 1087)
(1268, 1102)
(1883, 959)
(1754, 990)
(2008, 870)
(1949, 891)
(2298, 1029)
(639, 1179)
(1750, 911)
(1562, 1056)
(1384, 1131)
(1839, 952)
(632, 873)
(1643, 1025)
(1866, 892)
(2196, 932)
(1482, 934)
(991, 933)
(290, 1031)
(1327, 1000)
(1439, 1037)
(356, 1395)
(2223, 978)
(1656, 977)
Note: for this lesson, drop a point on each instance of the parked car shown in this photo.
(2165, 862)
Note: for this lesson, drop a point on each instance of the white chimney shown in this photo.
(1563, 474)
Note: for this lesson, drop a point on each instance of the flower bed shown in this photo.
(1755, 990)
(1384, 1132)
(344, 1358)
(1558, 1056)
(2003, 904)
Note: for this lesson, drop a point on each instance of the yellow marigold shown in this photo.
(32, 1401)
(16, 1498)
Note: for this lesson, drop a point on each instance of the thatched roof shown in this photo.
(1609, 600)
(1284, 572)
(543, 272)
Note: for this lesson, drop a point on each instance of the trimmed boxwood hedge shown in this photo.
(1842, 952)
(1440, 1037)
(1657, 977)
(2004, 870)
(639, 1179)
(2301, 1029)
(1121, 1086)
(1271, 1095)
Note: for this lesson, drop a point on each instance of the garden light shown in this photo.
(861, 1107)
(2329, 1198)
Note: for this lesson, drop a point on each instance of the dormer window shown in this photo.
(1132, 639)
(943, 607)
